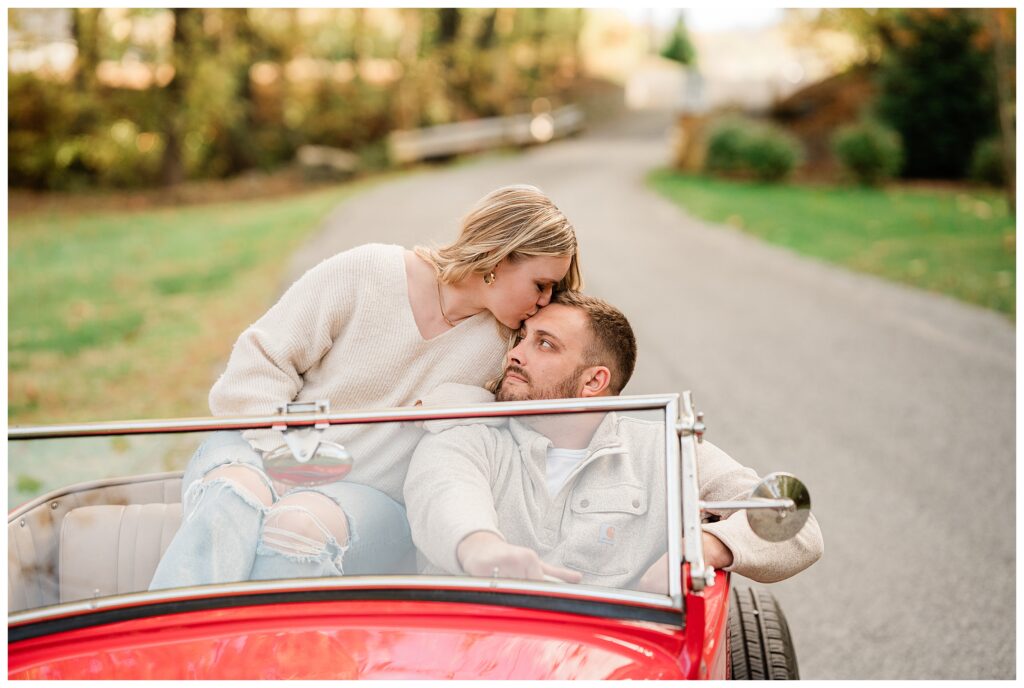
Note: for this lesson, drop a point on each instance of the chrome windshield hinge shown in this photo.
(303, 440)
(295, 407)
(696, 428)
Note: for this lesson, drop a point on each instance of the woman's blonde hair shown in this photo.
(513, 222)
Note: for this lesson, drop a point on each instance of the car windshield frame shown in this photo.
(678, 457)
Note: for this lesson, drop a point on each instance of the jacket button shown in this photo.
(636, 503)
(585, 503)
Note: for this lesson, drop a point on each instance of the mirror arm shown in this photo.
(752, 503)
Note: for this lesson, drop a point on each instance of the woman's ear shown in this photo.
(595, 381)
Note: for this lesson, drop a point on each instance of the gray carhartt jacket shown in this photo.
(608, 519)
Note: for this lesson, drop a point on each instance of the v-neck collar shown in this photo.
(403, 285)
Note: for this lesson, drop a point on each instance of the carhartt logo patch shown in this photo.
(607, 534)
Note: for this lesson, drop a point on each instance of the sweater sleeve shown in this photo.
(448, 491)
(267, 362)
(723, 478)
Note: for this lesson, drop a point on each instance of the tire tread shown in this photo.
(760, 645)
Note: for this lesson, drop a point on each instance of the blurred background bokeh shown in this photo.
(160, 161)
(126, 98)
(172, 171)
(139, 139)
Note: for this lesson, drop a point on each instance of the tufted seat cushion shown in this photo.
(113, 549)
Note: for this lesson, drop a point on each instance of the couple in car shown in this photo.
(498, 314)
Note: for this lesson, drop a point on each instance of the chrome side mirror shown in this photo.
(777, 509)
(778, 524)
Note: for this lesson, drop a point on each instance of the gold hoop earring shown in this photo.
(489, 278)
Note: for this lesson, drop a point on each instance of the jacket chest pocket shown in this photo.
(605, 526)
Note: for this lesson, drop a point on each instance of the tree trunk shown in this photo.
(537, 71)
(485, 40)
(238, 44)
(358, 43)
(1001, 22)
(172, 169)
(504, 68)
(407, 93)
(448, 25)
(85, 31)
(449, 21)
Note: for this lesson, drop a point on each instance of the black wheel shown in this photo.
(760, 647)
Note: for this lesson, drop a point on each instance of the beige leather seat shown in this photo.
(113, 549)
(34, 533)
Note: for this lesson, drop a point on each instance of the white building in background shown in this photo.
(746, 62)
(752, 68)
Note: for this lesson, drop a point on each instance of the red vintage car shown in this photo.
(80, 560)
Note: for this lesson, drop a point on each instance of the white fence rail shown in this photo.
(483, 134)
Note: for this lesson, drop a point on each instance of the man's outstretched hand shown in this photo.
(485, 554)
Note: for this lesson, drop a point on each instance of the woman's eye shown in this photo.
(540, 288)
(545, 344)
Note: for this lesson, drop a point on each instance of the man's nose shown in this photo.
(515, 354)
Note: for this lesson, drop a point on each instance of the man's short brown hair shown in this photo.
(612, 343)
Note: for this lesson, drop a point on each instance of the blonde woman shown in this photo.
(375, 326)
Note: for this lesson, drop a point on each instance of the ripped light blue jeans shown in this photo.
(222, 537)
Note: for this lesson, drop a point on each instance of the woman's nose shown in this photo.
(545, 297)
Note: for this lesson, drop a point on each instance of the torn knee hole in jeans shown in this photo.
(218, 485)
(279, 538)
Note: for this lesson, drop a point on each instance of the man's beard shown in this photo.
(566, 388)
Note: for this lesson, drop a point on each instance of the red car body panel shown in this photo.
(383, 639)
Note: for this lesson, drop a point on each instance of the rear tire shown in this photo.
(760, 647)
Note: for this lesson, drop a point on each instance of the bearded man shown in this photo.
(578, 497)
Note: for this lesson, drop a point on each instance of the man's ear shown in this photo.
(595, 381)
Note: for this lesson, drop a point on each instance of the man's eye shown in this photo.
(540, 288)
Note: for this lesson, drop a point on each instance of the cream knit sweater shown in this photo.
(345, 332)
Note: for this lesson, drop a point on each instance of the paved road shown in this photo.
(895, 406)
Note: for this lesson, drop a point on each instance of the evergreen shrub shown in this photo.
(746, 148)
(869, 151)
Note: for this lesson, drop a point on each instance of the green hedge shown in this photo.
(869, 152)
(987, 162)
(746, 148)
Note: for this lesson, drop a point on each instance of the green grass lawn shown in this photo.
(960, 243)
(129, 314)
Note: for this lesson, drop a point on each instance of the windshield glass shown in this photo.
(570, 498)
